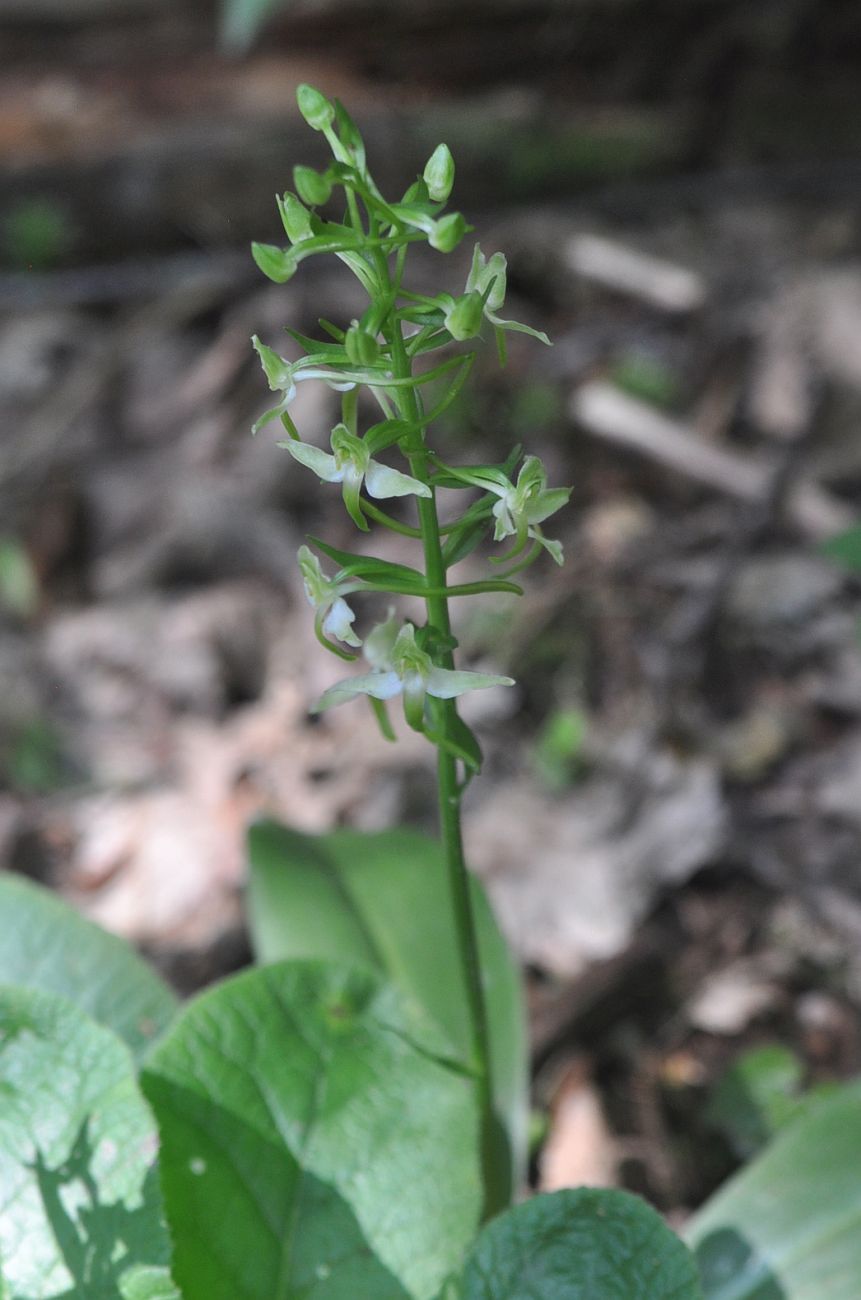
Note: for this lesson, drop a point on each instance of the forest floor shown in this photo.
(669, 822)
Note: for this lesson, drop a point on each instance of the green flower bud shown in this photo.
(276, 263)
(362, 348)
(439, 173)
(314, 107)
(295, 218)
(463, 318)
(312, 187)
(447, 232)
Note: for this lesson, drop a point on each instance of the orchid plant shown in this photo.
(410, 353)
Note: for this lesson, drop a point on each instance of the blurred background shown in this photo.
(670, 817)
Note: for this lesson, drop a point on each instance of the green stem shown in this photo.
(449, 787)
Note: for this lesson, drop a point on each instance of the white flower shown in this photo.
(523, 506)
(350, 464)
(333, 616)
(492, 274)
(283, 376)
(401, 667)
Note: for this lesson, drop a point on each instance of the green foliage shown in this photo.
(33, 762)
(383, 902)
(35, 235)
(646, 377)
(757, 1096)
(788, 1227)
(334, 1126)
(317, 1111)
(845, 549)
(46, 945)
(81, 1211)
(559, 748)
(19, 586)
(580, 1245)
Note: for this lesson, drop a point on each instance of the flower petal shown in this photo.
(445, 684)
(518, 328)
(505, 525)
(321, 462)
(546, 504)
(338, 622)
(380, 686)
(384, 482)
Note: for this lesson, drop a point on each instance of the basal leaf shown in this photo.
(584, 1244)
(80, 1210)
(314, 1140)
(45, 944)
(788, 1227)
(382, 901)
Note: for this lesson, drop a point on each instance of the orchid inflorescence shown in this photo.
(384, 352)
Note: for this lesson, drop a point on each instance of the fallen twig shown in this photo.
(607, 413)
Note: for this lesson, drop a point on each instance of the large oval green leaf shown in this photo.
(383, 902)
(80, 1210)
(583, 1244)
(45, 944)
(315, 1140)
(788, 1227)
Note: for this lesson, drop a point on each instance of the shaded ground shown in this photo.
(670, 818)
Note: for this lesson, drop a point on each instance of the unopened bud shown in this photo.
(314, 107)
(447, 232)
(463, 318)
(439, 173)
(276, 263)
(362, 348)
(295, 218)
(279, 373)
(312, 187)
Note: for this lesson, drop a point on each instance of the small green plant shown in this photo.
(347, 1120)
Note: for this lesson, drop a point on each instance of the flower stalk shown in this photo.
(384, 352)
